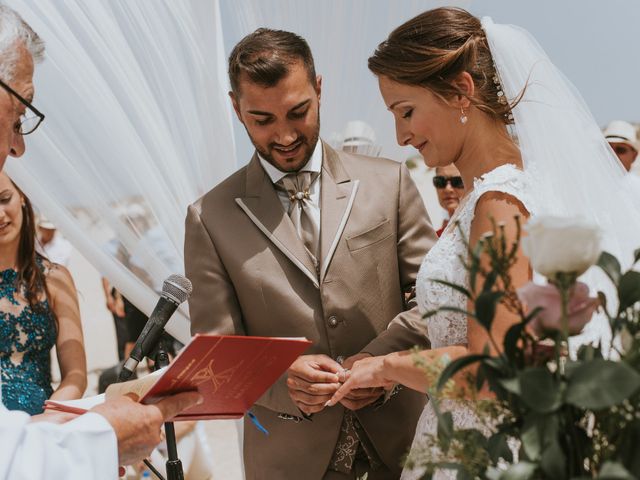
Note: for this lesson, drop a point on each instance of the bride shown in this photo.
(461, 90)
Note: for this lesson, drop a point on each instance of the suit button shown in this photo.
(333, 321)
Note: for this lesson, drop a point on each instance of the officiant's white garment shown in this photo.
(442, 263)
(77, 450)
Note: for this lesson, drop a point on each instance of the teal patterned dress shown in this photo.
(26, 337)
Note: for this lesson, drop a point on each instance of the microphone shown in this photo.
(175, 290)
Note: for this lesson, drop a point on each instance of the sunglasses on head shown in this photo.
(440, 181)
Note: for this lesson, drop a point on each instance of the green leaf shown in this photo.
(445, 429)
(511, 347)
(540, 390)
(636, 256)
(531, 439)
(615, 471)
(456, 365)
(627, 447)
(463, 474)
(629, 290)
(486, 304)
(610, 265)
(498, 447)
(458, 288)
(532, 314)
(493, 473)
(511, 385)
(572, 365)
(474, 258)
(600, 384)
(519, 471)
(589, 352)
(553, 461)
(538, 431)
(497, 363)
(490, 281)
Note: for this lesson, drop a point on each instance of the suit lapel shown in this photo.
(262, 206)
(338, 194)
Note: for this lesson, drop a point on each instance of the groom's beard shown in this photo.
(308, 146)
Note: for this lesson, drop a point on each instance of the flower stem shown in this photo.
(564, 282)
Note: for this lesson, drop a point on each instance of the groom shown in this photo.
(306, 241)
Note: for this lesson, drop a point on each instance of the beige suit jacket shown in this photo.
(252, 276)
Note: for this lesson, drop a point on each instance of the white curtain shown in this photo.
(138, 126)
(139, 123)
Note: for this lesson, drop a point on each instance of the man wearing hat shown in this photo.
(623, 138)
(52, 244)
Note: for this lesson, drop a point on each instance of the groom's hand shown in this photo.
(359, 397)
(312, 381)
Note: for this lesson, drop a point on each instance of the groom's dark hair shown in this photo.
(266, 55)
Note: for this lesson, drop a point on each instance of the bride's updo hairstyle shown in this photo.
(432, 49)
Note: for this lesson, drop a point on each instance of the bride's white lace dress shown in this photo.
(443, 263)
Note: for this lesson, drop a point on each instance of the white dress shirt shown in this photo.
(58, 250)
(313, 165)
(82, 449)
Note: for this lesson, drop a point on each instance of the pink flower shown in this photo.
(580, 308)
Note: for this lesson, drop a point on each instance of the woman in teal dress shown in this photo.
(38, 309)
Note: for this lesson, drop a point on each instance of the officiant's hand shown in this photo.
(312, 380)
(359, 397)
(365, 373)
(137, 426)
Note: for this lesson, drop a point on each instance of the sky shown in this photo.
(594, 42)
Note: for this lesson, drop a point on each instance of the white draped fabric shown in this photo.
(138, 126)
(139, 123)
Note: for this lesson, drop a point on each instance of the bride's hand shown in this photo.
(365, 373)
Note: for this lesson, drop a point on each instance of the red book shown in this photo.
(231, 373)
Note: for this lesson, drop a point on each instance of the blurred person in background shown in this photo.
(359, 137)
(623, 139)
(450, 188)
(39, 307)
(115, 304)
(51, 244)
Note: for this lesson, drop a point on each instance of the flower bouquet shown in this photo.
(549, 414)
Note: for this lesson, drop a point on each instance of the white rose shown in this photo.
(557, 244)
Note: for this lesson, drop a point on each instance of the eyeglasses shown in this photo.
(28, 122)
(440, 181)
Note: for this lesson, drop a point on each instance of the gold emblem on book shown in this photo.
(218, 379)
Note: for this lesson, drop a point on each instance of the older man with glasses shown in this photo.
(30, 119)
(49, 446)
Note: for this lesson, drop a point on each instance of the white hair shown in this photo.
(16, 33)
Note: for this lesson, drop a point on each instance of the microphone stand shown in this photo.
(173, 464)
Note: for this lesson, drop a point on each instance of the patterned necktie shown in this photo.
(347, 446)
(297, 187)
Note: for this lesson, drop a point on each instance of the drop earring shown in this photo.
(463, 116)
